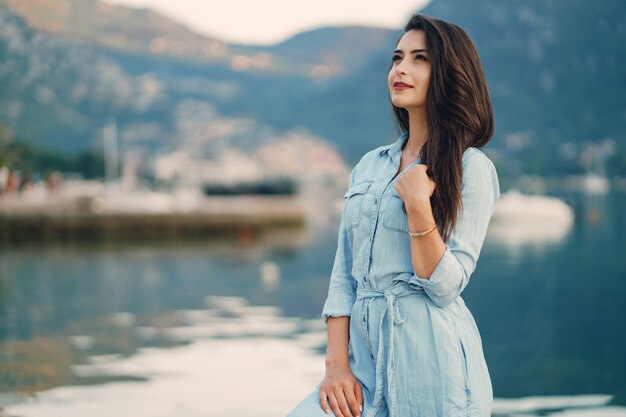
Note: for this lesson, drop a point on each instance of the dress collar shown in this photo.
(395, 148)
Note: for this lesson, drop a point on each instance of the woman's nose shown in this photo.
(400, 69)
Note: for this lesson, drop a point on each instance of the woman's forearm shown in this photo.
(426, 251)
(338, 339)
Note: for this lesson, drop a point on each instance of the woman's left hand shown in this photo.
(415, 187)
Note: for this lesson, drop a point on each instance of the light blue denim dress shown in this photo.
(414, 345)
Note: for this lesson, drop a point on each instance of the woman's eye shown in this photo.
(397, 57)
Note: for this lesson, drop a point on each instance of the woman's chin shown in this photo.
(406, 102)
(400, 101)
(403, 103)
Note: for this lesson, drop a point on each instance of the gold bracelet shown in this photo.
(423, 233)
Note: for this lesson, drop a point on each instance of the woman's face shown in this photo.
(411, 65)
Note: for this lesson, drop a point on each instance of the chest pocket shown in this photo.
(394, 214)
(354, 204)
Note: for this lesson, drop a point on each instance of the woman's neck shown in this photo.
(418, 131)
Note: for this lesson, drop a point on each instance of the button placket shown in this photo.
(375, 215)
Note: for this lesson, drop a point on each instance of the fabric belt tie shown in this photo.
(395, 289)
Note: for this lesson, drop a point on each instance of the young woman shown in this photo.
(401, 341)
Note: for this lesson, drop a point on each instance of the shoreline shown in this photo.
(239, 216)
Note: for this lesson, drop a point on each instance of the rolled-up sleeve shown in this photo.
(342, 287)
(479, 192)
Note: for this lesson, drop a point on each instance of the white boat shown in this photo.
(521, 219)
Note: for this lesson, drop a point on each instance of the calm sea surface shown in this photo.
(209, 328)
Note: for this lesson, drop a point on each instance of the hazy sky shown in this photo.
(270, 21)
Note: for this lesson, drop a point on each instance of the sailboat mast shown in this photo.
(109, 136)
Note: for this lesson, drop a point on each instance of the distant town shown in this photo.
(274, 184)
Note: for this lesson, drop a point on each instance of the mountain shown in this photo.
(338, 48)
(140, 31)
(62, 81)
(553, 69)
(54, 91)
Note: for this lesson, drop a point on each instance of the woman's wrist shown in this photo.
(418, 204)
(420, 216)
(337, 361)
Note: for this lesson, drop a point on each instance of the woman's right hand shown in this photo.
(344, 392)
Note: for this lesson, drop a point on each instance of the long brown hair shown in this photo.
(458, 112)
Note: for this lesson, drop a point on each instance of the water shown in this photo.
(226, 329)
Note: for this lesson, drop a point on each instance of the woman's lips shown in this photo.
(401, 86)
